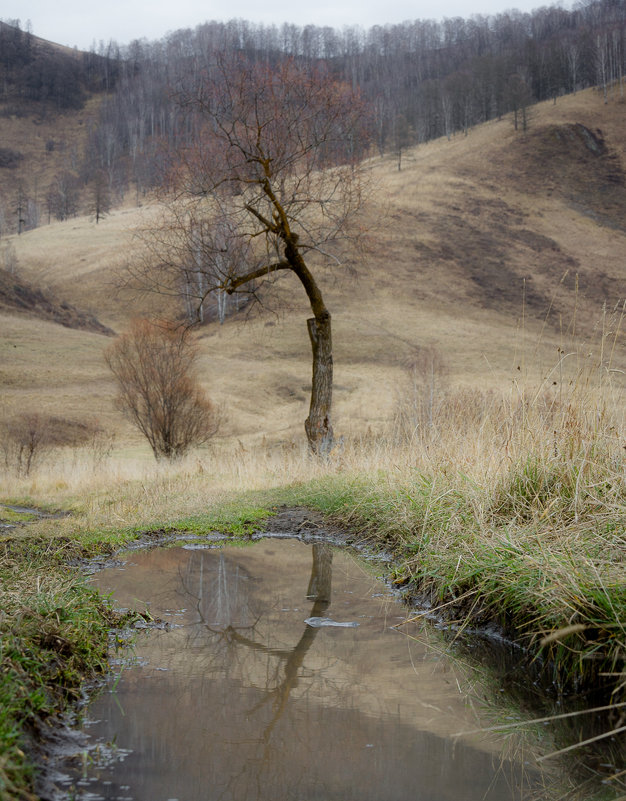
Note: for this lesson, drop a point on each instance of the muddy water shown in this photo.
(254, 691)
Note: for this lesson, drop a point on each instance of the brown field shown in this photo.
(496, 249)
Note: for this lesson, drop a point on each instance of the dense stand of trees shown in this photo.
(423, 79)
(34, 71)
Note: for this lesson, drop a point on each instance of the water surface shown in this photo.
(241, 699)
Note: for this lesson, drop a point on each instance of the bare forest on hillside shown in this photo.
(423, 79)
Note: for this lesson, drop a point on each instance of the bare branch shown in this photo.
(235, 283)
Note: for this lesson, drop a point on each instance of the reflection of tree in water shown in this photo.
(256, 707)
(221, 594)
(319, 591)
(223, 601)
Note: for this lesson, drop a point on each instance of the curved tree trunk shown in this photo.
(319, 430)
(318, 425)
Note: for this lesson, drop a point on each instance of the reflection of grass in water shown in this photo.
(54, 633)
(538, 734)
(481, 689)
(511, 513)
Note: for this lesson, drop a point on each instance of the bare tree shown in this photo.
(271, 177)
(402, 137)
(190, 255)
(153, 366)
(573, 58)
(63, 196)
(520, 99)
(21, 203)
(8, 258)
(99, 198)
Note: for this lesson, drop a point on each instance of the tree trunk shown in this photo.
(318, 427)
(320, 583)
(319, 430)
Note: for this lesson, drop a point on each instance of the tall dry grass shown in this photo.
(551, 453)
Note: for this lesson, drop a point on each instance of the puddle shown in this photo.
(22, 515)
(280, 678)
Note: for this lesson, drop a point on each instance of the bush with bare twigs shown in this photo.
(153, 366)
(25, 438)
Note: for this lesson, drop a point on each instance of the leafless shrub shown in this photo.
(153, 366)
(100, 446)
(25, 438)
(85, 437)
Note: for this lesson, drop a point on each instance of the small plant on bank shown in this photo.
(26, 440)
(153, 366)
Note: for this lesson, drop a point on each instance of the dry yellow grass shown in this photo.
(454, 235)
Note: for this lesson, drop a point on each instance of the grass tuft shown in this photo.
(53, 634)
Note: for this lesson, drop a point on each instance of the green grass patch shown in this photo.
(53, 632)
(239, 517)
(549, 570)
(15, 516)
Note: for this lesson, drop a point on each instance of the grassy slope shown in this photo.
(455, 236)
(523, 515)
(471, 235)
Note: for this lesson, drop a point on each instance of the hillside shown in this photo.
(79, 129)
(49, 101)
(19, 296)
(494, 249)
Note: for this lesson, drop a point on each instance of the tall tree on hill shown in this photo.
(403, 137)
(20, 206)
(63, 195)
(273, 173)
(99, 197)
(520, 99)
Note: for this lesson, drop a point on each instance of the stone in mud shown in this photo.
(318, 622)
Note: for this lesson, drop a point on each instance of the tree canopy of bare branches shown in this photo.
(271, 177)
